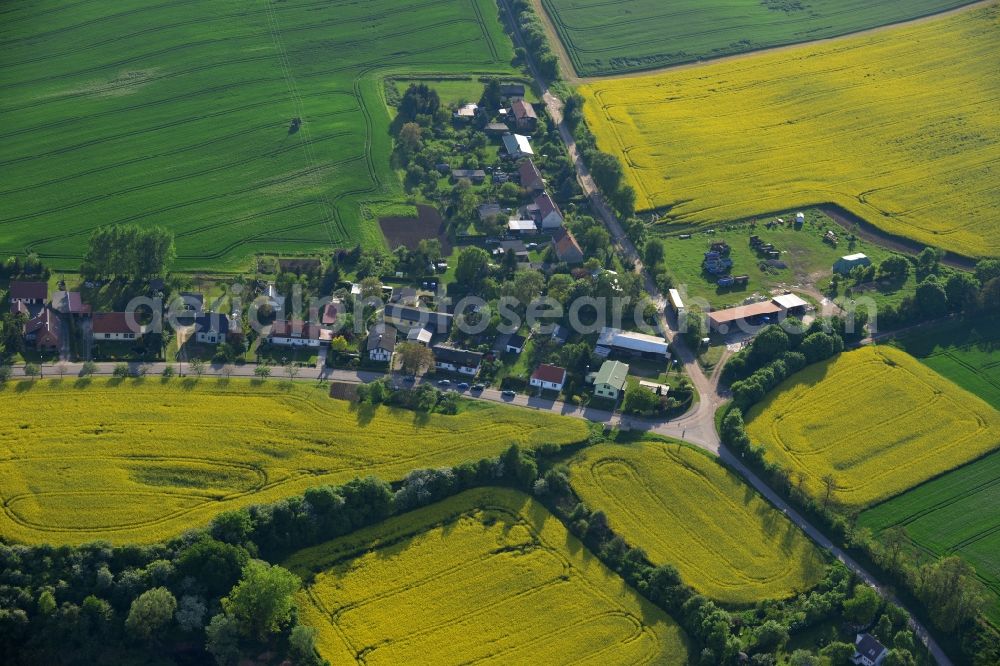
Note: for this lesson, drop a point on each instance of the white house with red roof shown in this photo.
(548, 377)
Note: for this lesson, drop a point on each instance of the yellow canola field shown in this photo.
(138, 462)
(487, 576)
(686, 509)
(901, 127)
(876, 420)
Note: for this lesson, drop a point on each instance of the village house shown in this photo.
(70, 303)
(868, 651)
(420, 336)
(525, 117)
(43, 330)
(381, 343)
(610, 380)
(496, 129)
(631, 343)
(517, 146)
(297, 333)
(511, 90)
(515, 344)
(548, 378)
(475, 176)
(211, 328)
(566, 248)
(462, 361)
(549, 215)
(27, 293)
(115, 326)
(522, 227)
(331, 313)
(531, 177)
(406, 318)
(467, 112)
(489, 210)
(518, 247)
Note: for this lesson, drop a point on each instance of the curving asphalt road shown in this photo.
(698, 426)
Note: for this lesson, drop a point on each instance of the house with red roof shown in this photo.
(548, 377)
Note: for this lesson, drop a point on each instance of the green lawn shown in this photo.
(966, 352)
(954, 514)
(808, 258)
(615, 37)
(180, 114)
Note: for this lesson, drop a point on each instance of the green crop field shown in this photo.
(798, 127)
(966, 352)
(958, 513)
(875, 420)
(141, 461)
(685, 509)
(179, 113)
(488, 576)
(628, 35)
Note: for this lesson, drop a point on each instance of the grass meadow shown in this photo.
(952, 514)
(142, 461)
(488, 576)
(900, 127)
(612, 38)
(965, 351)
(685, 509)
(876, 420)
(179, 113)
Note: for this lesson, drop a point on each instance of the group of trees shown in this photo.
(128, 251)
(775, 354)
(535, 39)
(605, 168)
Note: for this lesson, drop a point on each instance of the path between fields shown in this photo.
(698, 425)
(570, 75)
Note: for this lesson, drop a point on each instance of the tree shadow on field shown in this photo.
(363, 412)
(24, 386)
(115, 381)
(420, 419)
(189, 383)
(83, 382)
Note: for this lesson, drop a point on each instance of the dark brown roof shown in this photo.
(295, 329)
(522, 110)
(330, 314)
(546, 205)
(114, 322)
(549, 373)
(21, 289)
(69, 302)
(567, 249)
(381, 337)
(530, 176)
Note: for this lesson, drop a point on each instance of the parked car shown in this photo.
(462, 386)
(508, 393)
(409, 379)
(478, 387)
(444, 382)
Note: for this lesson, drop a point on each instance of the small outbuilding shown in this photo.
(846, 264)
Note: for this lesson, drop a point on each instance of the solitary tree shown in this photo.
(31, 370)
(262, 372)
(150, 612)
(414, 358)
(830, 487)
(197, 366)
(262, 602)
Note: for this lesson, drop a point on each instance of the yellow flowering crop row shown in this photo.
(875, 421)
(143, 461)
(686, 509)
(488, 576)
(901, 127)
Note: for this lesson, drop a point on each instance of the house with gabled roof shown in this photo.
(610, 380)
(28, 292)
(44, 329)
(566, 248)
(524, 116)
(549, 215)
(531, 177)
(868, 651)
(115, 326)
(381, 344)
(548, 377)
